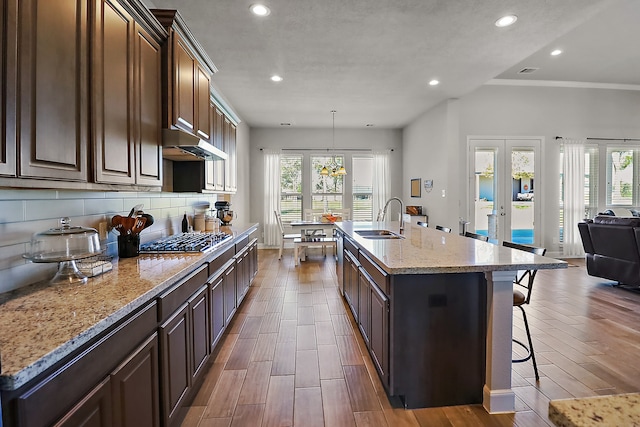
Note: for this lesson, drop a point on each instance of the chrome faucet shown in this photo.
(384, 212)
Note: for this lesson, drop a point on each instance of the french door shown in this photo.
(504, 186)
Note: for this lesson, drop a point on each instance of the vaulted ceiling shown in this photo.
(372, 60)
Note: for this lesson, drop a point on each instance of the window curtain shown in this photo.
(573, 171)
(381, 180)
(272, 234)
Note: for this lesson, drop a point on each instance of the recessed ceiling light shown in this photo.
(556, 52)
(276, 78)
(434, 82)
(507, 20)
(259, 9)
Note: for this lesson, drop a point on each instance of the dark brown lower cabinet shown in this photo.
(365, 283)
(379, 336)
(229, 285)
(351, 279)
(216, 314)
(92, 411)
(135, 391)
(253, 259)
(174, 359)
(199, 316)
(128, 397)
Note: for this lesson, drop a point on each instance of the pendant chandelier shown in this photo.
(333, 168)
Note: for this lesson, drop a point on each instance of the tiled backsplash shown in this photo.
(24, 212)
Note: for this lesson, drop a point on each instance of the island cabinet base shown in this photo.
(437, 339)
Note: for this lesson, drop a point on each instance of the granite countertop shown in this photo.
(615, 410)
(429, 251)
(41, 323)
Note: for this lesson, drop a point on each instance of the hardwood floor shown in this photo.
(293, 356)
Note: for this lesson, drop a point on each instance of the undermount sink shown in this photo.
(379, 234)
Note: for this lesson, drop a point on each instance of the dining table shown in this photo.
(310, 230)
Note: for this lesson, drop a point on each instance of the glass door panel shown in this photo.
(502, 180)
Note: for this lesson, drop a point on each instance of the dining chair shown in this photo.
(284, 236)
(422, 224)
(524, 280)
(476, 236)
(445, 229)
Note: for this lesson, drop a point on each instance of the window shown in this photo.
(326, 190)
(291, 187)
(362, 188)
(621, 177)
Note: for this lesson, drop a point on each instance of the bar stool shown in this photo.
(520, 299)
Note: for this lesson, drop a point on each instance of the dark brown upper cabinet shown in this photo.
(187, 72)
(53, 88)
(8, 88)
(126, 99)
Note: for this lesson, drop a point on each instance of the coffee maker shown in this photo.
(223, 212)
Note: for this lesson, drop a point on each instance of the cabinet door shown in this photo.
(148, 109)
(174, 353)
(230, 173)
(217, 314)
(364, 305)
(351, 278)
(379, 335)
(203, 117)
(135, 389)
(113, 121)
(8, 89)
(184, 84)
(217, 166)
(229, 293)
(253, 260)
(53, 88)
(92, 411)
(199, 314)
(242, 275)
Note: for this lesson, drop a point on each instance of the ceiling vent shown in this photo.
(528, 70)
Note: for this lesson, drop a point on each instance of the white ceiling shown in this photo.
(371, 60)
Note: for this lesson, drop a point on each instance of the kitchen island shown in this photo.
(435, 310)
(144, 329)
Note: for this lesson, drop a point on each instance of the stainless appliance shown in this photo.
(186, 242)
(223, 212)
(179, 146)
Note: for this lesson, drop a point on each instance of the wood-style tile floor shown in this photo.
(293, 356)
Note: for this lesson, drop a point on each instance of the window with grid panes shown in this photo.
(326, 190)
(362, 184)
(291, 187)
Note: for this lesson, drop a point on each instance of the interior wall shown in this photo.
(426, 142)
(321, 139)
(512, 111)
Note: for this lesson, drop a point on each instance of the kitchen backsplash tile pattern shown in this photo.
(24, 212)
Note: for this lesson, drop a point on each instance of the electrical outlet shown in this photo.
(103, 231)
(444, 193)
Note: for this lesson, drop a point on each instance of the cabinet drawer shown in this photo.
(177, 295)
(348, 245)
(242, 243)
(221, 260)
(380, 277)
(71, 382)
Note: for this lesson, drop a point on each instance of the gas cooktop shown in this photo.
(186, 242)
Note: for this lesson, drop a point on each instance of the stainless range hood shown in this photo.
(181, 146)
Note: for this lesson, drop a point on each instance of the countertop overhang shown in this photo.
(42, 324)
(430, 251)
